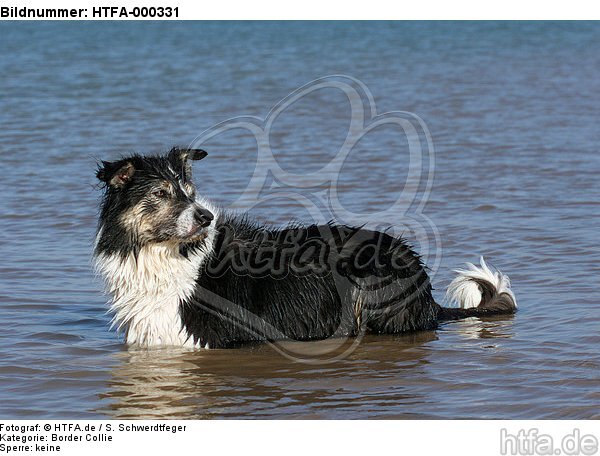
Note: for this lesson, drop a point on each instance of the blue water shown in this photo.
(512, 109)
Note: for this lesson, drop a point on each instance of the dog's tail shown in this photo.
(478, 291)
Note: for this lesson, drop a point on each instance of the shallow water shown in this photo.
(513, 113)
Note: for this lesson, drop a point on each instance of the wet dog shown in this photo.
(182, 272)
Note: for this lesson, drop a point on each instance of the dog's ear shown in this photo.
(180, 157)
(116, 174)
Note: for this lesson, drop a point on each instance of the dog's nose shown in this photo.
(203, 217)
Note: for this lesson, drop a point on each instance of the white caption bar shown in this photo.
(300, 438)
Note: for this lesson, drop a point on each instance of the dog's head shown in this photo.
(152, 199)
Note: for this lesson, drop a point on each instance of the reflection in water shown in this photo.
(154, 384)
(498, 326)
(380, 375)
(258, 381)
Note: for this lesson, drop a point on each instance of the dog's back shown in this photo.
(304, 283)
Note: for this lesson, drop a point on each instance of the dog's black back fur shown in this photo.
(316, 282)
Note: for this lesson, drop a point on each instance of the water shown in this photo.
(513, 113)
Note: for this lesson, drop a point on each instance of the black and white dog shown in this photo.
(182, 272)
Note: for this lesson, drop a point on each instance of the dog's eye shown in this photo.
(159, 193)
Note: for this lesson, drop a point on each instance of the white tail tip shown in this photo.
(466, 289)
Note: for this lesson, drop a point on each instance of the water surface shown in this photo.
(513, 113)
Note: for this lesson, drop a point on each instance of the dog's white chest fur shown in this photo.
(147, 291)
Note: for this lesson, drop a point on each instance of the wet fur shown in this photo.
(239, 281)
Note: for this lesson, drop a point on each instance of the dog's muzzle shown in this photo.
(193, 220)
